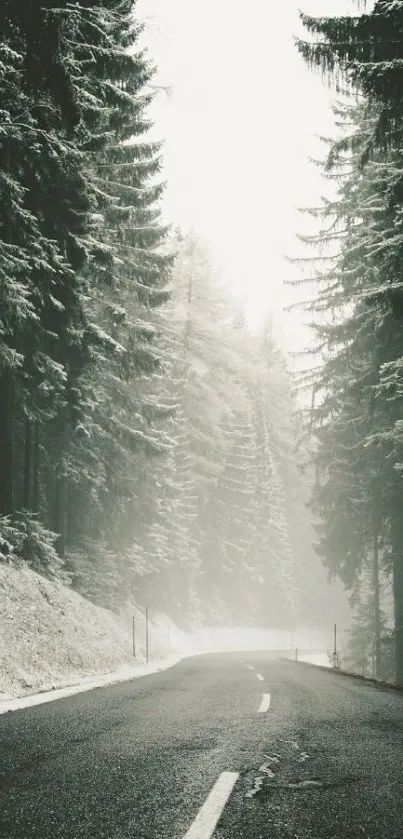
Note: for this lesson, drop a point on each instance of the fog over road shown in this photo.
(234, 746)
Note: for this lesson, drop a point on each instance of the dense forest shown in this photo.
(150, 446)
(357, 309)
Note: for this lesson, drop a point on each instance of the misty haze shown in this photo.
(201, 419)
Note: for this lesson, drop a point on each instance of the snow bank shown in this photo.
(50, 636)
(320, 659)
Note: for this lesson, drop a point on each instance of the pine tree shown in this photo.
(38, 248)
(368, 649)
(79, 192)
(366, 50)
(355, 463)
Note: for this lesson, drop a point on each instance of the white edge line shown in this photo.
(208, 816)
(260, 677)
(90, 683)
(265, 703)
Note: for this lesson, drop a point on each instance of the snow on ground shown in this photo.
(320, 659)
(50, 636)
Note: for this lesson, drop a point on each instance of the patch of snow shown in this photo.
(52, 638)
(266, 769)
(320, 659)
(304, 784)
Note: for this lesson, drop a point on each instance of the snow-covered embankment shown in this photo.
(51, 637)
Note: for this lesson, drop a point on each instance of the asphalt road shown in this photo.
(139, 760)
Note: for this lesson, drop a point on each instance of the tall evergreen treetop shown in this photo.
(367, 50)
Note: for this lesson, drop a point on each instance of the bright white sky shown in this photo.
(239, 126)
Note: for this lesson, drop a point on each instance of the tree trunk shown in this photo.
(26, 495)
(377, 607)
(397, 565)
(59, 513)
(49, 486)
(6, 442)
(59, 522)
(72, 524)
(35, 469)
(398, 603)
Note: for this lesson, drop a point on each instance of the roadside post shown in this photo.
(335, 657)
(134, 637)
(147, 634)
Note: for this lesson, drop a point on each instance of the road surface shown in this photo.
(231, 746)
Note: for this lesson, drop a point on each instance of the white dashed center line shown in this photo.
(250, 667)
(265, 703)
(260, 677)
(208, 816)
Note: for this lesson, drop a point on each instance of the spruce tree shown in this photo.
(366, 51)
(77, 194)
